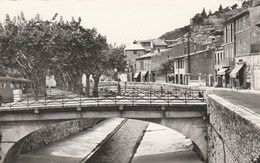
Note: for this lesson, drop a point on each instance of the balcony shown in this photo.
(226, 62)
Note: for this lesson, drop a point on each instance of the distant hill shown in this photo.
(172, 35)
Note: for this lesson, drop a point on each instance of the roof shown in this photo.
(134, 47)
(144, 41)
(237, 15)
(151, 54)
(198, 52)
(159, 42)
(258, 24)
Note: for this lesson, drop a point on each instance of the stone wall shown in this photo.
(47, 135)
(233, 133)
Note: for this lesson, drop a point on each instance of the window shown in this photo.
(135, 52)
(247, 21)
(231, 33)
(142, 65)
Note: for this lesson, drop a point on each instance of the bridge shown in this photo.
(182, 110)
(221, 131)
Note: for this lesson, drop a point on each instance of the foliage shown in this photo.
(172, 35)
(61, 48)
(220, 9)
(234, 6)
(203, 13)
(167, 66)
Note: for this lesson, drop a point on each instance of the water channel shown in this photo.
(131, 141)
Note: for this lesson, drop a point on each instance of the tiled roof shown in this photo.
(198, 52)
(159, 42)
(134, 47)
(152, 54)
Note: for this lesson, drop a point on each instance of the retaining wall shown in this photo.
(233, 133)
(47, 135)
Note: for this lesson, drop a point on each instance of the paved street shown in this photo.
(248, 100)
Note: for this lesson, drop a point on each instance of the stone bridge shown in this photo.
(183, 111)
(221, 131)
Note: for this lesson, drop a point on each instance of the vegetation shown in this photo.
(167, 67)
(61, 48)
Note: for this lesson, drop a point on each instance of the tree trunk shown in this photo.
(87, 89)
(96, 81)
(39, 82)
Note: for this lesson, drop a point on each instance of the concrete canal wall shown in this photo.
(47, 135)
(233, 133)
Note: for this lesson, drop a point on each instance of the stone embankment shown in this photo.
(48, 135)
(233, 132)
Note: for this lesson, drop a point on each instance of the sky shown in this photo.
(121, 21)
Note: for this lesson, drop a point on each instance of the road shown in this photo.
(248, 100)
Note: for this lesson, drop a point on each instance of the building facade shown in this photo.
(131, 52)
(202, 67)
(243, 32)
(148, 67)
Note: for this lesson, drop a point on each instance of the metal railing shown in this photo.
(128, 96)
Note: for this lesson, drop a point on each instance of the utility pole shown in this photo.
(188, 36)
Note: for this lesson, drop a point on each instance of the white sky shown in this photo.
(122, 21)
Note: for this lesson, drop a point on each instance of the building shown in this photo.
(148, 67)
(242, 43)
(138, 49)
(202, 67)
(131, 52)
(177, 52)
(152, 44)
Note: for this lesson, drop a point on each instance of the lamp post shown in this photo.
(118, 81)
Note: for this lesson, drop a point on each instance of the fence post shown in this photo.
(45, 100)
(62, 99)
(150, 95)
(27, 101)
(80, 99)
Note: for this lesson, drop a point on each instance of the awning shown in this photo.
(222, 71)
(136, 75)
(144, 73)
(234, 72)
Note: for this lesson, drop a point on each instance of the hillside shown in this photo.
(172, 35)
(203, 25)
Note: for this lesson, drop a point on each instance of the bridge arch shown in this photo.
(193, 128)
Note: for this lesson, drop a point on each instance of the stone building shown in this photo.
(138, 49)
(202, 67)
(148, 67)
(242, 42)
(131, 52)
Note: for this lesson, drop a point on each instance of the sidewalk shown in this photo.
(246, 99)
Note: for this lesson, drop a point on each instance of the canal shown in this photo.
(118, 141)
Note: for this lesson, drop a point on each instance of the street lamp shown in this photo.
(118, 81)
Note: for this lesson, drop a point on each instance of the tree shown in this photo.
(197, 19)
(203, 13)
(24, 46)
(167, 67)
(220, 9)
(234, 6)
(66, 50)
(210, 13)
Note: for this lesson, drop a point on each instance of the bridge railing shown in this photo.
(130, 96)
